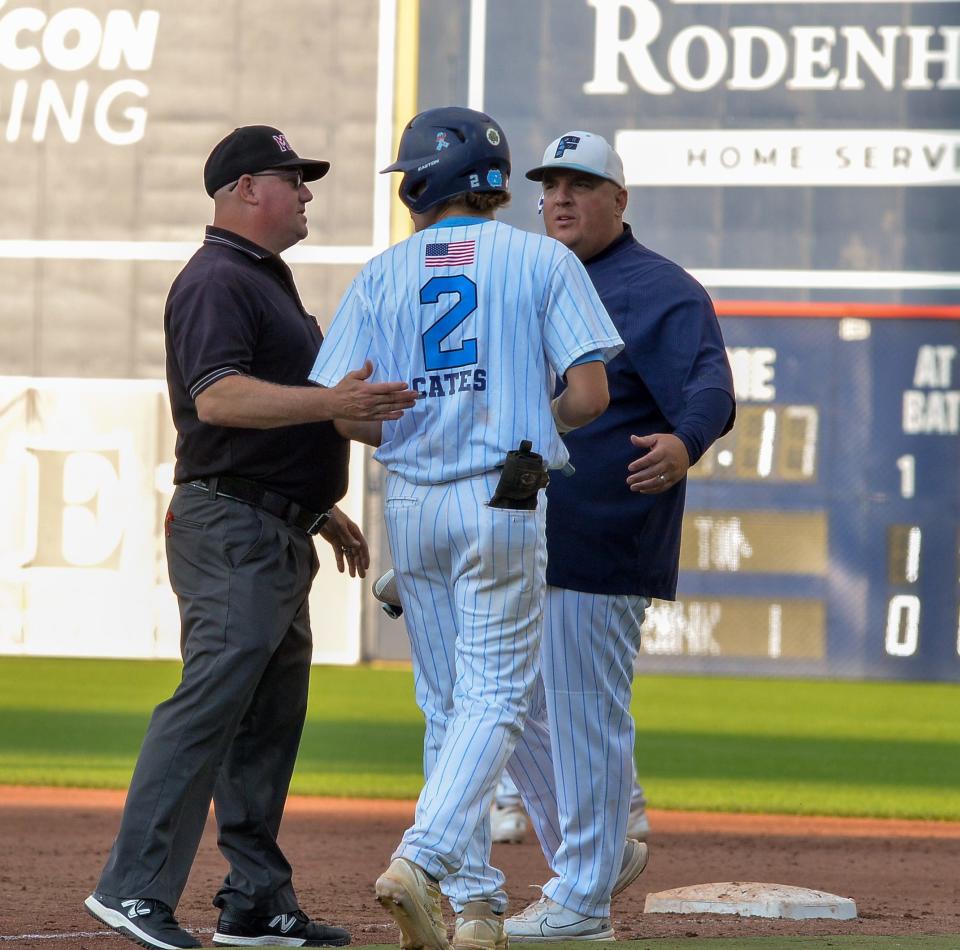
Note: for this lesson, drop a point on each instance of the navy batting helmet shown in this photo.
(449, 151)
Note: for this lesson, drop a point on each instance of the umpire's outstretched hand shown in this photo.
(361, 401)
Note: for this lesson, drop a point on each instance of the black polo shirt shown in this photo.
(234, 310)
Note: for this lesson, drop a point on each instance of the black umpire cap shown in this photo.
(251, 149)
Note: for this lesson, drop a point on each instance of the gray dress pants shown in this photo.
(232, 728)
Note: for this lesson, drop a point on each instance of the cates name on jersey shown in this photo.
(449, 384)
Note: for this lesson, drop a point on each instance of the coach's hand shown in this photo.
(358, 400)
(348, 543)
(663, 464)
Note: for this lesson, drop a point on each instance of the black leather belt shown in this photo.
(251, 493)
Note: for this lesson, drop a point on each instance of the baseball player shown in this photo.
(480, 318)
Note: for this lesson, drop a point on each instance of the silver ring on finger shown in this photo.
(661, 477)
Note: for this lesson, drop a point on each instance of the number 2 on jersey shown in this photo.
(466, 291)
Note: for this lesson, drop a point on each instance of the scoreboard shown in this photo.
(801, 159)
(822, 535)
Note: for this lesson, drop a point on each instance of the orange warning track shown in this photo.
(672, 822)
(835, 310)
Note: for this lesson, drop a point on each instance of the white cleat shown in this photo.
(508, 823)
(547, 921)
(638, 825)
(635, 857)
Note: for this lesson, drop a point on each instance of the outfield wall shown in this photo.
(802, 159)
(108, 109)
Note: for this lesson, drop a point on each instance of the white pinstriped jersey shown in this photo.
(479, 316)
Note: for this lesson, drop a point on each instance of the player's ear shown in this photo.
(621, 202)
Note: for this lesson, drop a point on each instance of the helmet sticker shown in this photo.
(474, 181)
(442, 142)
(494, 178)
(493, 136)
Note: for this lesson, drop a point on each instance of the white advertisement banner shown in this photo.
(786, 157)
(86, 469)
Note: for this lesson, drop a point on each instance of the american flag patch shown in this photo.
(455, 254)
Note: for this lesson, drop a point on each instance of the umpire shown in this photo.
(259, 469)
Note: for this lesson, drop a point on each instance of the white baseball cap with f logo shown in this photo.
(581, 151)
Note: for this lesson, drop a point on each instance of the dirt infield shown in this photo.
(902, 874)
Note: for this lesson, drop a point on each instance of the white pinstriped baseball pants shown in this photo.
(574, 763)
(472, 582)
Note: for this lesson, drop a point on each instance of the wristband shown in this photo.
(562, 427)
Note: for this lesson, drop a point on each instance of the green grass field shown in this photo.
(724, 744)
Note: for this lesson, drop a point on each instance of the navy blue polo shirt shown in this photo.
(234, 310)
(601, 537)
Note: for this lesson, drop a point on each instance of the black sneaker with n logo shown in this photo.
(291, 929)
(145, 921)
